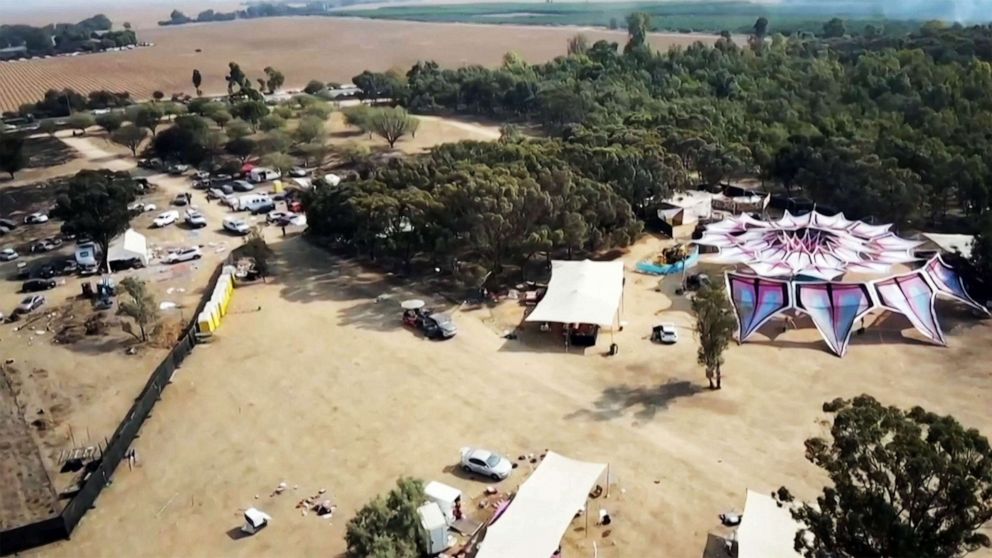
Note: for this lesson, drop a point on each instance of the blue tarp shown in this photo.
(668, 269)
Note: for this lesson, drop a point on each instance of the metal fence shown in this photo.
(60, 527)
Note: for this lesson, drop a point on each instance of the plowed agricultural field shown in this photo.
(328, 49)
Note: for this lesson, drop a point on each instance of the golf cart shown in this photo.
(434, 325)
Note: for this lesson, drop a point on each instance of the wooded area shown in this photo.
(891, 130)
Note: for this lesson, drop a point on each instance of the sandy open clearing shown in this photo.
(328, 49)
(323, 388)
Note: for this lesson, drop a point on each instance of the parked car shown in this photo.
(36, 218)
(8, 254)
(178, 170)
(8, 224)
(278, 217)
(141, 207)
(433, 325)
(262, 207)
(128, 263)
(665, 333)
(299, 172)
(202, 175)
(29, 304)
(34, 285)
(65, 267)
(43, 245)
(486, 463)
(88, 269)
(181, 199)
(243, 186)
(195, 219)
(216, 194)
(221, 178)
(236, 225)
(166, 218)
(151, 164)
(184, 255)
(46, 271)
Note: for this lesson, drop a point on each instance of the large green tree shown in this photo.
(903, 483)
(390, 526)
(715, 325)
(391, 124)
(95, 204)
(251, 112)
(130, 137)
(12, 155)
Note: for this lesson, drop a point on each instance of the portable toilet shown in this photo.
(446, 497)
(434, 527)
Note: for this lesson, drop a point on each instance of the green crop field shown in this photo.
(677, 15)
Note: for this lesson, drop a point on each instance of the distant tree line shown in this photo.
(262, 9)
(57, 103)
(90, 34)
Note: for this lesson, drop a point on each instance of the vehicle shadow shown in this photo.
(236, 534)
(615, 401)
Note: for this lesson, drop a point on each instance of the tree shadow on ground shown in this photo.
(309, 274)
(615, 401)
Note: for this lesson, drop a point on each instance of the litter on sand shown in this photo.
(166, 305)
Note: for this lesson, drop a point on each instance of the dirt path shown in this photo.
(482, 131)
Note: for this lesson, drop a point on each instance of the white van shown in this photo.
(262, 174)
(248, 201)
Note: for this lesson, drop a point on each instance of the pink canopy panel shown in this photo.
(812, 245)
(756, 300)
(948, 282)
(835, 309)
(912, 296)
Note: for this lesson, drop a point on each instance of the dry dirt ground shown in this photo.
(312, 381)
(328, 49)
(63, 395)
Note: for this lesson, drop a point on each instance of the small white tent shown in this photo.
(130, 245)
(539, 515)
(583, 292)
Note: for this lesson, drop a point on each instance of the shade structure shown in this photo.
(835, 309)
(583, 292)
(766, 530)
(756, 300)
(128, 246)
(813, 245)
(539, 515)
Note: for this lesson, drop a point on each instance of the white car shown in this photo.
(35, 218)
(236, 225)
(8, 254)
(486, 463)
(142, 207)
(165, 219)
(184, 255)
(277, 216)
(666, 333)
(195, 219)
(300, 172)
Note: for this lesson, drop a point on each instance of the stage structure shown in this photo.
(795, 263)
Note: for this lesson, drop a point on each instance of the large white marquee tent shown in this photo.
(583, 292)
(539, 515)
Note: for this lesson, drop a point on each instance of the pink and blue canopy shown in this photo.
(812, 245)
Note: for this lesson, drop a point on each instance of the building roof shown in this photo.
(688, 198)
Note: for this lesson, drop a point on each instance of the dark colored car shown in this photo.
(7, 223)
(46, 271)
(34, 285)
(65, 267)
(263, 208)
(434, 325)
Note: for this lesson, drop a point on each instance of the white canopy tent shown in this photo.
(583, 292)
(766, 529)
(130, 245)
(539, 515)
